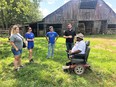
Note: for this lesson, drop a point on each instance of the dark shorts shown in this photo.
(30, 45)
(16, 53)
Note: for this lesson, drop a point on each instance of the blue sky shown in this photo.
(48, 6)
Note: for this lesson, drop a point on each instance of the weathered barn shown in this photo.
(92, 16)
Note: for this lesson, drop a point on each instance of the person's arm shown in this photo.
(76, 52)
(73, 53)
(33, 37)
(65, 35)
(47, 39)
(12, 40)
(79, 48)
(30, 39)
(56, 38)
(12, 43)
(27, 39)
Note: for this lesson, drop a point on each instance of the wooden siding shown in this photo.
(71, 12)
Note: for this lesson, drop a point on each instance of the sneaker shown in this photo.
(21, 66)
(31, 61)
(65, 70)
(65, 67)
(16, 70)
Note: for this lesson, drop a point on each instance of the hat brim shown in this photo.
(79, 37)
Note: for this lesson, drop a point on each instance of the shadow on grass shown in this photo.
(35, 75)
(5, 52)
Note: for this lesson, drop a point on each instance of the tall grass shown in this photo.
(48, 72)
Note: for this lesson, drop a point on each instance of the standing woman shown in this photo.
(30, 43)
(16, 41)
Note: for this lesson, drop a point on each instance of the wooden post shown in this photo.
(44, 28)
(37, 29)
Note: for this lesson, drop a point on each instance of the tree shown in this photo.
(19, 12)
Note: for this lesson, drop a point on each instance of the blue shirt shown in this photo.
(52, 36)
(29, 36)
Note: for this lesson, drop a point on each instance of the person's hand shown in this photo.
(70, 52)
(16, 49)
(69, 36)
(48, 41)
(32, 39)
(71, 56)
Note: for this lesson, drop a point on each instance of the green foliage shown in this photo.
(19, 11)
(48, 72)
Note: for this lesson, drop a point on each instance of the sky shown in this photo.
(49, 6)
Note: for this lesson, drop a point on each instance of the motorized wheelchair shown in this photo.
(81, 63)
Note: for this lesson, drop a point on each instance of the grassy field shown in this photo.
(48, 72)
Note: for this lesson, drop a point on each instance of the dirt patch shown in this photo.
(1, 42)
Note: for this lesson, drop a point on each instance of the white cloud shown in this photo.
(44, 11)
(65, 1)
(51, 1)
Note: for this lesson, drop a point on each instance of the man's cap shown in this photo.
(80, 35)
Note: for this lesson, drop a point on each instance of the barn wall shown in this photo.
(111, 31)
(86, 14)
(71, 13)
(104, 12)
(97, 27)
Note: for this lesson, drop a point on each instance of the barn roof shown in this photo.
(93, 5)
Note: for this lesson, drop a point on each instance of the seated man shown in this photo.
(79, 48)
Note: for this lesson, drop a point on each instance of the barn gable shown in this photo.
(82, 10)
(92, 16)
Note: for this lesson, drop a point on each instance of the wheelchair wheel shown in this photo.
(79, 69)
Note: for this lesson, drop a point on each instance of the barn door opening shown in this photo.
(34, 28)
(57, 28)
(103, 26)
(88, 25)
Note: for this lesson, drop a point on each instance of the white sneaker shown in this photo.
(65, 67)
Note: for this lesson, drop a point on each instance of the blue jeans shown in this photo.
(16, 53)
(69, 46)
(51, 50)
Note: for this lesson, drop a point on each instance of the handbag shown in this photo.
(24, 44)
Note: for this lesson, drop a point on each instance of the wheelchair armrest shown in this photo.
(79, 55)
(75, 56)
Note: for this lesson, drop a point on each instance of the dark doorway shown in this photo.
(41, 31)
(34, 28)
(57, 28)
(88, 25)
(103, 26)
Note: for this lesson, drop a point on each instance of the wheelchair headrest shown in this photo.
(87, 43)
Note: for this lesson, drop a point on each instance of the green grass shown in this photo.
(48, 72)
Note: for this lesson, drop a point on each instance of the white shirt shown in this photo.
(79, 46)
